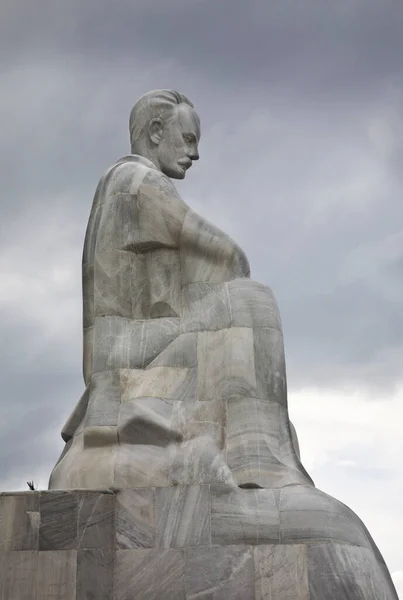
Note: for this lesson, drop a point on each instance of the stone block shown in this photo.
(252, 440)
(308, 525)
(95, 570)
(164, 276)
(19, 521)
(198, 461)
(127, 344)
(243, 516)
(88, 353)
(220, 573)
(253, 305)
(308, 514)
(147, 421)
(90, 462)
(200, 418)
(156, 382)
(104, 399)
(96, 521)
(226, 364)
(182, 382)
(121, 286)
(205, 307)
(88, 294)
(210, 254)
(58, 526)
(183, 516)
(181, 352)
(269, 362)
(18, 575)
(149, 575)
(141, 465)
(135, 519)
(56, 579)
(281, 572)
(160, 212)
(341, 572)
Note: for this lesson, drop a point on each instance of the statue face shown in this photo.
(178, 145)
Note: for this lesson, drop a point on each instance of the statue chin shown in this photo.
(179, 172)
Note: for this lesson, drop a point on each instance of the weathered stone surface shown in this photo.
(281, 572)
(198, 461)
(96, 521)
(225, 364)
(243, 516)
(141, 465)
(308, 514)
(205, 307)
(164, 274)
(180, 542)
(181, 353)
(95, 574)
(252, 447)
(269, 361)
(150, 575)
(57, 575)
(344, 572)
(18, 575)
(58, 521)
(183, 516)
(135, 519)
(129, 344)
(147, 421)
(253, 305)
(200, 418)
(104, 399)
(220, 573)
(19, 522)
(155, 382)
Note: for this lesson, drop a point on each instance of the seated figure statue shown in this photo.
(184, 360)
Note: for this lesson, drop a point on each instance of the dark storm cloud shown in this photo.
(327, 45)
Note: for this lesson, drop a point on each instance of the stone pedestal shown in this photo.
(196, 542)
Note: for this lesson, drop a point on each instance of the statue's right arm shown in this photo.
(158, 214)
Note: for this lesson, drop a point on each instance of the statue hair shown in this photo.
(158, 104)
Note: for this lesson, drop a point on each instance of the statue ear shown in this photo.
(155, 130)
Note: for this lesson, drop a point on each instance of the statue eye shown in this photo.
(188, 138)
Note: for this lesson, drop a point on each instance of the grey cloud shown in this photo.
(37, 392)
(308, 45)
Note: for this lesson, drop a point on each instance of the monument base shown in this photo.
(195, 542)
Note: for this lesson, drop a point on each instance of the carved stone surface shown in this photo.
(184, 417)
(182, 543)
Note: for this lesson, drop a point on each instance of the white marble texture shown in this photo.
(186, 390)
(193, 541)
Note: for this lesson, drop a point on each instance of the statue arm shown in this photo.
(158, 213)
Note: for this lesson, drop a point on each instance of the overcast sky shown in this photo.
(301, 161)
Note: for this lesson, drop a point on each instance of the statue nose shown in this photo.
(194, 155)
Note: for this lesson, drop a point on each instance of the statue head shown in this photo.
(165, 128)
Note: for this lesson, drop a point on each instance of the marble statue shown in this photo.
(183, 352)
(186, 393)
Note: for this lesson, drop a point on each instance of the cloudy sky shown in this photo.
(301, 104)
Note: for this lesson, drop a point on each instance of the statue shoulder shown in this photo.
(135, 175)
(126, 175)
